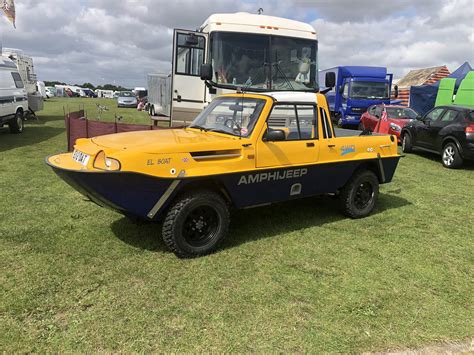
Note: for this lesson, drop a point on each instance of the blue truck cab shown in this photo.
(356, 88)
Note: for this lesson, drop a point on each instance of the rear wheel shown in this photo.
(152, 110)
(407, 144)
(360, 194)
(195, 224)
(16, 123)
(451, 157)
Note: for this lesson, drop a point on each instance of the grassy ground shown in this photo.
(292, 277)
(128, 115)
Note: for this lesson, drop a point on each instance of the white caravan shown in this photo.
(247, 51)
(13, 96)
(26, 70)
(106, 94)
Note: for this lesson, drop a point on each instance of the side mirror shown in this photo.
(206, 71)
(395, 91)
(330, 80)
(274, 135)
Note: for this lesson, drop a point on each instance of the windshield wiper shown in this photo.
(201, 128)
(222, 131)
(277, 65)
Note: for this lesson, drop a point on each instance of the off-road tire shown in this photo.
(16, 124)
(450, 156)
(407, 143)
(181, 215)
(355, 189)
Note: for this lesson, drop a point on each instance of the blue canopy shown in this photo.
(422, 98)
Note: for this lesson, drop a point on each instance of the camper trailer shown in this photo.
(13, 96)
(26, 70)
(231, 52)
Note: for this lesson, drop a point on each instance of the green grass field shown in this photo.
(294, 277)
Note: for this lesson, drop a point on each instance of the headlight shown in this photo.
(103, 162)
(395, 127)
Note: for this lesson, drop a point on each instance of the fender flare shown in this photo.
(453, 139)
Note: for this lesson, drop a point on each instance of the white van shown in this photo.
(13, 96)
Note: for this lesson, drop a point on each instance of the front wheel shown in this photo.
(195, 224)
(450, 157)
(16, 123)
(359, 195)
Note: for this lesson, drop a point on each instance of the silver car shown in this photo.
(127, 99)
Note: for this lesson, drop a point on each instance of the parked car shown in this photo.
(398, 117)
(445, 130)
(13, 96)
(127, 99)
(89, 93)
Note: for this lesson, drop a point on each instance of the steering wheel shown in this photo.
(233, 125)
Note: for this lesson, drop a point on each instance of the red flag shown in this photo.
(8, 8)
(383, 125)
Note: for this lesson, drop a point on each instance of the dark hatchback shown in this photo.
(445, 130)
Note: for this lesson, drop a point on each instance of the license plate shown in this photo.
(80, 157)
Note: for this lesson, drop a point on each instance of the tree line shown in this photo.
(90, 86)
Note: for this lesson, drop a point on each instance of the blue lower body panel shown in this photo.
(135, 194)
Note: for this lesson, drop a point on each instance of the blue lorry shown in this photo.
(356, 88)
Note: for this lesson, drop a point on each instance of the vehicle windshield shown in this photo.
(126, 94)
(369, 90)
(401, 113)
(236, 116)
(264, 62)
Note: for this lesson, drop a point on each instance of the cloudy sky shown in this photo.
(120, 41)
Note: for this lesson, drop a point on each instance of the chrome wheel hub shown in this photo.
(448, 156)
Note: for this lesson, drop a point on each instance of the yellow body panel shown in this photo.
(190, 152)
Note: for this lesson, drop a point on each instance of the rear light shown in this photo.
(469, 129)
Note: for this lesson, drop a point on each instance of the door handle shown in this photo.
(331, 145)
(310, 144)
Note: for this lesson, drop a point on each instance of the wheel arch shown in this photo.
(451, 139)
(374, 166)
(209, 184)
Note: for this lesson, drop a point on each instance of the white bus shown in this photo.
(247, 51)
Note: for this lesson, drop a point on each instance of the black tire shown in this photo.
(152, 110)
(16, 123)
(450, 156)
(407, 143)
(195, 224)
(360, 194)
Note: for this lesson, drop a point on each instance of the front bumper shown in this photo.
(127, 105)
(128, 193)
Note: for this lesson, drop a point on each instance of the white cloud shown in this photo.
(121, 41)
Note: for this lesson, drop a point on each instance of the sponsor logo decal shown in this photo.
(347, 149)
(164, 161)
(272, 176)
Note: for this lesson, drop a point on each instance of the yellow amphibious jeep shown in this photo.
(243, 150)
